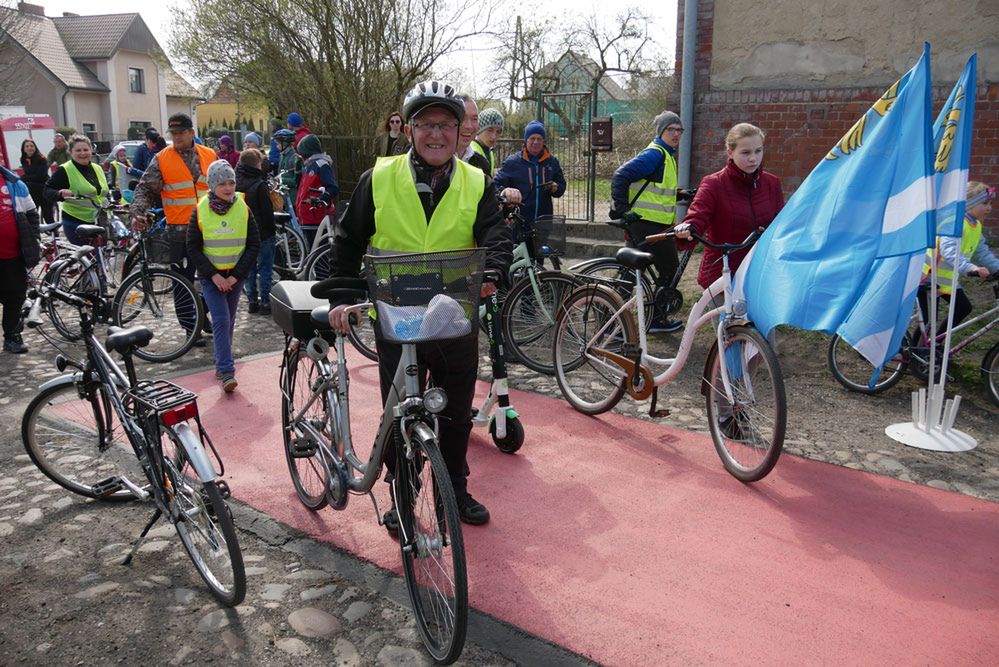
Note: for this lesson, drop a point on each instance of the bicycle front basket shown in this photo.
(424, 297)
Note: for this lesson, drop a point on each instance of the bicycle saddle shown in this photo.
(91, 231)
(48, 227)
(124, 340)
(320, 318)
(634, 259)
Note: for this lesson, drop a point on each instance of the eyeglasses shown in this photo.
(675, 130)
(440, 127)
(395, 121)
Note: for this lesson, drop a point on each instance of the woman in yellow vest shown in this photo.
(970, 254)
(78, 177)
(223, 242)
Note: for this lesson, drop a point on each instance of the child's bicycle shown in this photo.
(601, 353)
(853, 371)
(104, 434)
(427, 297)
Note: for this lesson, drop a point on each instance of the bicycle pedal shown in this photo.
(303, 448)
(223, 489)
(107, 487)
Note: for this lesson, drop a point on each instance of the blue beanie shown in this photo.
(294, 119)
(535, 127)
(252, 136)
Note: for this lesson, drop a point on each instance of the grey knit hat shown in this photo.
(664, 120)
(490, 118)
(218, 172)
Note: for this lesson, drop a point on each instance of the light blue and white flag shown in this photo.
(869, 199)
(952, 144)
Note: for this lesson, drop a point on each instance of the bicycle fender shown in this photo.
(69, 378)
(195, 451)
(510, 414)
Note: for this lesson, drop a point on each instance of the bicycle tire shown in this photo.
(66, 435)
(287, 263)
(310, 474)
(362, 336)
(748, 435)
(204, 524)
(590, 384)
(65, 317)
(853, 371)
(160, 299)
(624, 282)
(990, 373)
(528, 317)
(319, 263)
(433, 551)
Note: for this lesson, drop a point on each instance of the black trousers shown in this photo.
(452, 366)
(666, 259)
(13, 290)
(962, 307)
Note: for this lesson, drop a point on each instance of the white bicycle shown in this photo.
(601, 353)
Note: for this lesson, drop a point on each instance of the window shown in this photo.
(90, 130)
(136, 84)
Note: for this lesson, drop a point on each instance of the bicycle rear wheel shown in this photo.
(76, 278)
(204, 524)
(852, 370)
(749, 431)
(623, 282)
(289, 253)
(362, 336)
(990, 373)
(309, 471)
(528, 317)
(590, 382)
(160, 299)
(318, 264)
(78, 441)
(433, 552)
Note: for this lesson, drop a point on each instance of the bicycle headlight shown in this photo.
(739, 308)
(434, 400)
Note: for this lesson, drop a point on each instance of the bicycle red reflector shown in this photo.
(180, 414)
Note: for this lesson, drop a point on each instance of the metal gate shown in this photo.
(567, 119)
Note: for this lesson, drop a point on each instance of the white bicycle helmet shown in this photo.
(432, 94)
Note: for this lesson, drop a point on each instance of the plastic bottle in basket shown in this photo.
(409, 328)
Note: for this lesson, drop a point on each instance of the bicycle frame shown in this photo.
(957, 347)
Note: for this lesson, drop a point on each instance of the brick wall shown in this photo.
(803, 124)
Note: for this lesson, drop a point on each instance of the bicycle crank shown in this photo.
(640, 384)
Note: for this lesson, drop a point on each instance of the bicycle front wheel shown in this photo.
(75, 278)
(318, 265)
(77, 441)
(528, 317)
(748, 431)
(990, 373)
(160, 299)
(204, 524)
(362, 336)
(588, 327)
(310, 474)
(433, 552)
(852, 370)
(289, 253)
(623, 282)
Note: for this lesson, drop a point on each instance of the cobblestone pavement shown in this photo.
(68, 601)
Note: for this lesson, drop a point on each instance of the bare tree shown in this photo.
(18, 36)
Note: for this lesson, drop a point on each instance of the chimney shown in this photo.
(70, 14)
(25, 8)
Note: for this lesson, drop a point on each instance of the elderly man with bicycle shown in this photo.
(644, 193)
(423, 201)
(178, 175)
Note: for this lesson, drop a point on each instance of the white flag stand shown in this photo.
(932, 425)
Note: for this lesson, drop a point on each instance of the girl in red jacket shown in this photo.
(731, 203)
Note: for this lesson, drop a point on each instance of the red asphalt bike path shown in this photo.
(627, 542)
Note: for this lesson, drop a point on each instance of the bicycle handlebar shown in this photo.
(725, 248)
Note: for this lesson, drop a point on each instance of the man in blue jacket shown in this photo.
(18, 252)
(535, 172)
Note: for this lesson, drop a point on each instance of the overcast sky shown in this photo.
(475, 63)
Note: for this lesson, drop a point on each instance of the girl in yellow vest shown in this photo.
(970, 254)
(78, 177)
(223, 242)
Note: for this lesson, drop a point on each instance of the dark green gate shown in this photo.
(567, 119)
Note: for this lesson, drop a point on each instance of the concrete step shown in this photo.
(585, 248)
(593, 230)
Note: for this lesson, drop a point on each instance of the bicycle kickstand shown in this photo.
(135, 547)
(655, 413)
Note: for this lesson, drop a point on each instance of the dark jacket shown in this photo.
(519, 171)
(144, 156)
(36, 173)
(646, 166)
(60, 181)
(26, 215)
(728, 206)
(247, 261)
(253, 184)
(351, 236)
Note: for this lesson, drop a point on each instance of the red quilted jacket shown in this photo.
(728, 206)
